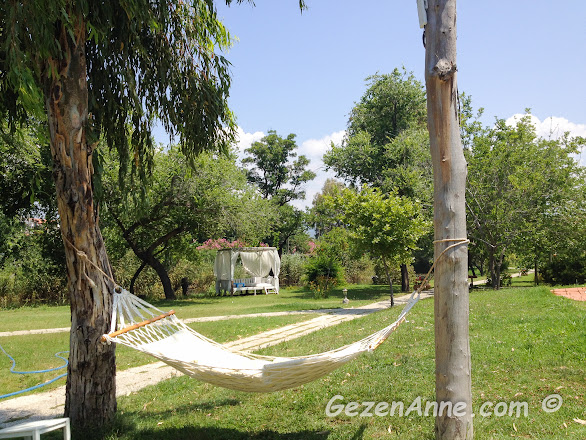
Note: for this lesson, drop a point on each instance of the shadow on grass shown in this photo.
(127, 426)
(362, 292)
(217, 433)
(302, 294)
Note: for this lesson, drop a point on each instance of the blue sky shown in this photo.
(302, 73)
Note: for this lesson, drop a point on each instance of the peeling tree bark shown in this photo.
(452, 348)
(90, 391)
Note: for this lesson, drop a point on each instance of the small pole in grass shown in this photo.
(346, 300)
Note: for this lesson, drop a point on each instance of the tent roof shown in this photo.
(249, 249)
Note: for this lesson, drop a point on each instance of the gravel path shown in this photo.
(50, 404)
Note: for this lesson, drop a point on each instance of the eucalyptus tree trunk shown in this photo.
(452, 348)
(90, 391)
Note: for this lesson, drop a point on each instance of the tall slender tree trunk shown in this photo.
(90, 391)
(499, 269)
(492, 269)
(161, 271)
(452, 348)
(404, 278)
(136, 275)
(389, 280)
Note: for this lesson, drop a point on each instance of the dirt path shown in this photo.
(575, 293)
(50, 404)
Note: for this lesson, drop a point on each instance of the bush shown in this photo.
(19, 287)
(358, 270)
(321, 286)
(292, 269)
(338, 244)
(198, 275)
(33, 266)
(565, 270)
(322, 273)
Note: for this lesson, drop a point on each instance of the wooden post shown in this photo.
(452, 348)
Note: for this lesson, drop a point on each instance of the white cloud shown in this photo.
(553, 127)
(314, 150)
(245, 140)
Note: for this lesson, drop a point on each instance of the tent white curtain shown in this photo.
(258, 264)
(222, 265)
(257, 261)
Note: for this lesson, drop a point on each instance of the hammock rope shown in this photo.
(140, 325)
(167, 338)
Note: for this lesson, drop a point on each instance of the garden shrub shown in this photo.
(358, 270)
(322, 273)
(338, 244)
(292, 269)
(199, 276)
(565, 270)
(33, 267)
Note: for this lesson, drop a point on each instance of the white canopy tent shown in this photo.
(257, 261)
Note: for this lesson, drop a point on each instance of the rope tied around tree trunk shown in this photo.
(417, 292)
(459, 241)
(84, 258)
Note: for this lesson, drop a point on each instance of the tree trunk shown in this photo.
(536, 275)
(452, 347)
(389, 280)
(90, 390)
(499, 269)
(492, 268)
(404, 278)
(158, 267)
(135, 277)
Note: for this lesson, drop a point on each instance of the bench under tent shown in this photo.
(262, 263)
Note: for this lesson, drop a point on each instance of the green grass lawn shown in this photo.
(36, 352)
(294, 298)
(526, 344)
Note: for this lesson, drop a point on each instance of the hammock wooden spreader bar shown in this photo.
(137, 325)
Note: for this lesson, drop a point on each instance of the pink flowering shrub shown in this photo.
(221, 243)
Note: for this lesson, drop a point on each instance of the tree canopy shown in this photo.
(518, 183)
(387, 226)
(386, 143)
(202, 198)
(143, 60)
(278, 175)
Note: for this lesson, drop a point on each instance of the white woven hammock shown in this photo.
(140, 325)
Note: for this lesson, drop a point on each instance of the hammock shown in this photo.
(142, 326)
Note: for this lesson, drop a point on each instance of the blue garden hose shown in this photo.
(12, 370)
